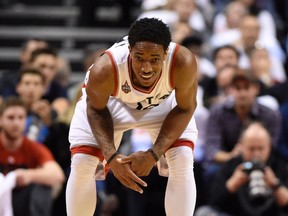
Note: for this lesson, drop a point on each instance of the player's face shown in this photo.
(147, 62)
(13, 122)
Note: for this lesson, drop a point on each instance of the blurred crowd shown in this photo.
(242, 114)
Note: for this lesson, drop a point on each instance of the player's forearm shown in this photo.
(172, 127)
(101, 124)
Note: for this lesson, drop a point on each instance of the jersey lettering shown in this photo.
(150, 102)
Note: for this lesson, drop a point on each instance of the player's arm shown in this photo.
(99, 87)
(185, 73)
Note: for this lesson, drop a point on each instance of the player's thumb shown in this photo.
(124, 160)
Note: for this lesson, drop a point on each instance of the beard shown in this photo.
(11, 136)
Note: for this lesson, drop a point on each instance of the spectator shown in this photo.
(261, 64)
(247, 38)
(34, 167)
(29, 47)
(230, 18)
(225, 55)
(234, 12)
(63, 72)
(253, 183)
(45, 60)
(250, 38)
(222, 83)
(264, 16)
(179, 11)
(238, 111)
(227, 120)
(8, 80)
(222, 56)
(30, 89)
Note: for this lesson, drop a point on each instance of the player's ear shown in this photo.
(165, 52)
(129, 47)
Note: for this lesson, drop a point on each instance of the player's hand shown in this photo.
(141, 162)
(124, 173)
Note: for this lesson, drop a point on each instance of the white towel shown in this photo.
(7, 183)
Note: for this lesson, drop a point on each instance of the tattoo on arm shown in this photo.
(160, 148)
(101, 124)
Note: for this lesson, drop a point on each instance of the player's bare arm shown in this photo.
(178, 118)
(99, 87)
(185, 82)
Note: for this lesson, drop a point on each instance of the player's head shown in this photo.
(148, 44)
(151, 30)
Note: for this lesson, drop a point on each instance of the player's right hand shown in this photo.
(124, 173)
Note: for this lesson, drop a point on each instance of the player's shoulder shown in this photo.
(184, 57)
(102, 68)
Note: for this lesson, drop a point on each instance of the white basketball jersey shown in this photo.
(125, 91)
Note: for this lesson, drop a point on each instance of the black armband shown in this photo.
(112, 157)
(153, 154)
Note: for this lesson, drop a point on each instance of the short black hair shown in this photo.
(228, 46)
(40, 51)
(32, 71)
(149, 29)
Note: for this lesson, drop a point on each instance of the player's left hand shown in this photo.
(141, 162)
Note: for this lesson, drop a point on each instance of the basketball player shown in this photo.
(144, 81)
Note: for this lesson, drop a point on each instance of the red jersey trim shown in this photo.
(115, 72)
(173, 65)
(90, 150)
(182, 142)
